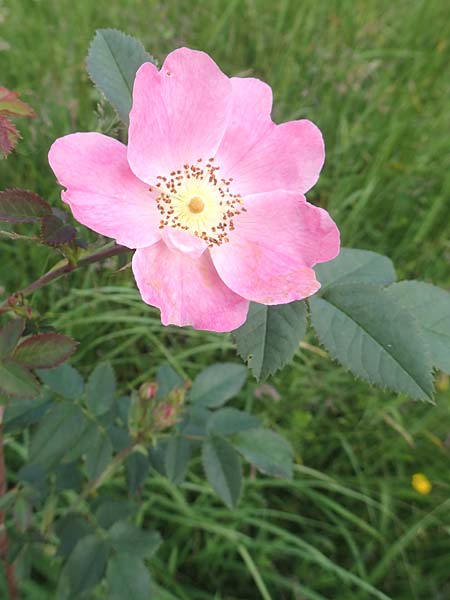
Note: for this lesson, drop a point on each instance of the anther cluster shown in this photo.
(196, 200)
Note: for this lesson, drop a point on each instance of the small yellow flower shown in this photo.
(421, 483)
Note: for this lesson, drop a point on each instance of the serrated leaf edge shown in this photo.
(359, 377)
(36, 198)
(46, 336)
(248, 359)
(375, 255)
(88, 58)
(20, 396)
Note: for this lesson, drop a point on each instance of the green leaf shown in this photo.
(109, 418)
(99, 456)
(127, 577)
(112, 62)
(267, 451)
(176, 458)
(20, 415)
(156, 456)
(217, 384)
(123, 408)
(223, 469)
(120, 438)
(86, 564)
(167, 380)
(64, 380)
(45, 350)
(366, 329)
(158, 593)
(195, 419)
(230, 420)
(55, 232)
(430, 305)
(35, 475)
(136, 471)
(21, 206)
(16, 381)
(101, 388)
(126, 537)
(270, 336)
(22, 514)
(356, 266)
(86, 441)
(10, 335)
(68, 477)
(58, 432)
(70, 530)
(110, 511)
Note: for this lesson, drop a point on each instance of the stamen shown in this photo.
(194, 199)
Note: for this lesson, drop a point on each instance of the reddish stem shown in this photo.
(65, 268)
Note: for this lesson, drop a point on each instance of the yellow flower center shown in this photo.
(196, 205)
(196, 200)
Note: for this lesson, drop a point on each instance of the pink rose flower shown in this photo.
(209, 192)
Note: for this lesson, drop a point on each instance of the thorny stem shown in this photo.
(8, 567)
(62, 269)
(11, 235)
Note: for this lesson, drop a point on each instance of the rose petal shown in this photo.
(183, 242)
(273, 247)
(249, 121)
(288, 156)
(187, 290)
(102, 191)
(179, 114)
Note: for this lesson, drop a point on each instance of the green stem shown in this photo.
(62, 269)
(106, 474)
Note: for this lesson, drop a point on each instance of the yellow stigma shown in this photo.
(194, 199)
(196, 205)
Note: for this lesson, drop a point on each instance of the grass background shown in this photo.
(375, 77)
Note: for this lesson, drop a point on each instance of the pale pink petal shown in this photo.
(102, 191)
(179, 114)
(183, 241)
(288, 156)
(249, 121)
(273, 247)
(187, 290)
